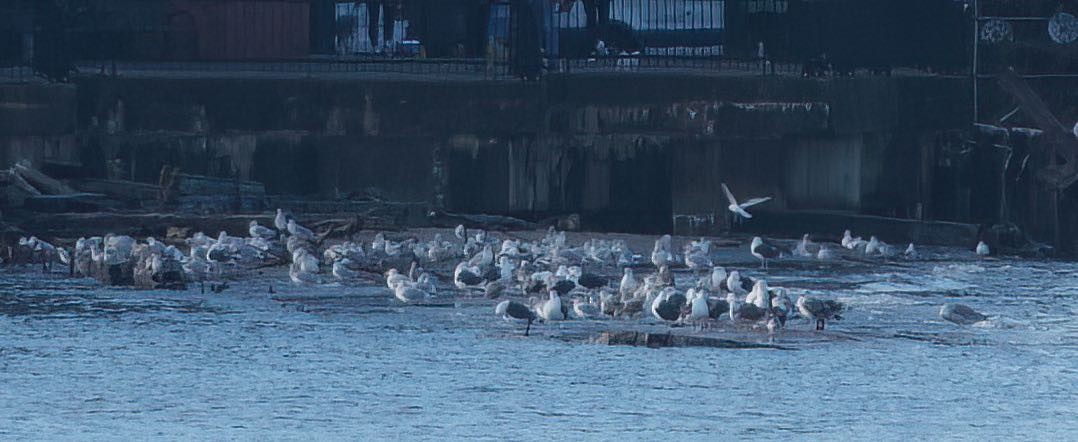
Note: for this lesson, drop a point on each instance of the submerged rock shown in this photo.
(961, 314)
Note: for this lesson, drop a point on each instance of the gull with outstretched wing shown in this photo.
(739, 209)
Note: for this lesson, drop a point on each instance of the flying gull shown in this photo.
(739, 208)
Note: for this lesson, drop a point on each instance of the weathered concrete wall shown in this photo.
(37, 123)
(624, 151)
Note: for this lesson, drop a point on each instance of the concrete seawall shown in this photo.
(626, 151)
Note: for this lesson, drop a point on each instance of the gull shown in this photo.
(667, 306)
(736, 285)
(764, 250)
(299, 231)
(587, 309)
(699, 310)
(346, 250)
(483, 259)
(849, 242)
(715, 281)
(281, 220)
(552, 309)
(409, 293)
(629, 284)
(426, 282)
(304, 268)
(982, 249)
(760, 296)
(588, 280)
(873, 245)
(394, 279)
(741, 310)
(697, 255)
(739, 209)
(516, 310)
(819, 309)
(660, 254)
(506, 268)
(803, 246)
(257, 231)
(781, 306)
(465, 277)
(911, 253)
(495, 289)
(342, 270)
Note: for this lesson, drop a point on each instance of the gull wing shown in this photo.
(754, 202)
(729, 196)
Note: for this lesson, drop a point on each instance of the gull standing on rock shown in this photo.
(551, 309)
(849, 242)
(667, 306)
(802, 248)
(660, 254)
(629, 284)
(911, 253)
(820, 310)
(873, 246)
(281, 221)
(257, 231)
(341, 270)
(299, 231)
(764, 251)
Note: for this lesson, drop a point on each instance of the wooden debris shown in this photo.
(75, 202)
(42, 182)
(489, 222)
(119, 189)
(13, 178)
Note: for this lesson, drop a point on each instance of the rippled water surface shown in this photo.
(79, 360)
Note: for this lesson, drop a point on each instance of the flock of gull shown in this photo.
(542, 280)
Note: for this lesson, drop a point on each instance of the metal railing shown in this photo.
(506, 38)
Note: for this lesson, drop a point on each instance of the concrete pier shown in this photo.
(641, 152)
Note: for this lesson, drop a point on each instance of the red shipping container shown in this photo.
(247, 29)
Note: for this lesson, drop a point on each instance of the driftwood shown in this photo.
(42, 182)
(489, 222)
(123, 190)
(337, 228)
(75, 202)
(13, 178)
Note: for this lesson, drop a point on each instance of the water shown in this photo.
(81, 361)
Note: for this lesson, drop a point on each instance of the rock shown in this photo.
(659, 340)
(170, 277)
(961, 314)
(122, 274)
